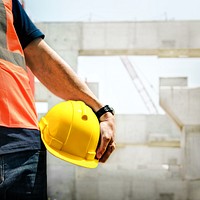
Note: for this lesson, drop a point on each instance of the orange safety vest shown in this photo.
(17, 108)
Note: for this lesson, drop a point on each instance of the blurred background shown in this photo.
(143, 58)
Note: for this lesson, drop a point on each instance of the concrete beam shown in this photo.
(181, 103)
(162, 38)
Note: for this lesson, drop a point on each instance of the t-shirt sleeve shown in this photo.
(24, 27)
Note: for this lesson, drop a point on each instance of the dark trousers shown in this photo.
(23, 176)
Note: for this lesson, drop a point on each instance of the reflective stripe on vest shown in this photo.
(5, 54)
(14, 58)
(17, 107)
(2, 25)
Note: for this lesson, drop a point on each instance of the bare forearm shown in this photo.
(59, 78)
(56, 75)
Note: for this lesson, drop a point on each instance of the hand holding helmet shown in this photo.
(107, 138)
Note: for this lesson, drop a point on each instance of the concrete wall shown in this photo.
(183, 105)
(156, 157)
(139, 169)
(147, 164)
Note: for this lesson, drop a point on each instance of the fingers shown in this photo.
(107, 139)
(107, 146)
(110, 148)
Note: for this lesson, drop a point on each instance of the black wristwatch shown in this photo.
(104, 110)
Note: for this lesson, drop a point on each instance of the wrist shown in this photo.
(107, 116)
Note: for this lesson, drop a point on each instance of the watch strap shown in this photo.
(104, 110)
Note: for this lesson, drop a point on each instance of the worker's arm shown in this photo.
(61, 80)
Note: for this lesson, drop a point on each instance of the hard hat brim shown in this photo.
(71, 158)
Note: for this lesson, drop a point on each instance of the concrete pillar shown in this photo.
(65, 39)
(183, 106)
(191, 144)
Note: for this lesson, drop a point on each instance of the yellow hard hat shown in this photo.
(70, 131)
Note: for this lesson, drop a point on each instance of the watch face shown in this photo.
(104, 110)
(109, 109)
